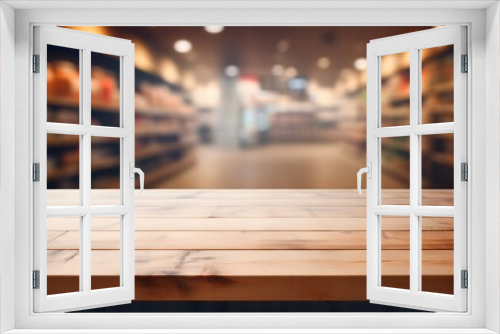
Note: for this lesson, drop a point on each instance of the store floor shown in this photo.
(276, 166)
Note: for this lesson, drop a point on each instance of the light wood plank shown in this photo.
(175, 212)
(108, 197)
(240, 240)
(106, 223)
(287, 212)
(250, 263)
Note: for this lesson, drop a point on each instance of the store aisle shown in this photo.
(277, 166)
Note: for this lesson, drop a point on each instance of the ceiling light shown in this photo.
(232, 70)
(360, 64)
(214, 29)
(282, 46)
(278, 70)
(323, 63)
(291, 72)
(183, 46)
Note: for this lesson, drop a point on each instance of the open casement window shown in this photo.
(403, 124)
(68, 206)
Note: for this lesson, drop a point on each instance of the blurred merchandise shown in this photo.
(236, 92)
(165, 129)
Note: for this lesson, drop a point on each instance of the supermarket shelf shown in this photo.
(158, 150)
(430, 55)
(395, 145)
(62, 174)
(53, 141)
(113, 162)
(70, 140)
(61, 102)
(165, 128)
(172, 168)
(396, 169)
(438, 88)
(441, 108)
(158, 132)
(442, 158)
(69, 103)
(169, 168)
(395, 112)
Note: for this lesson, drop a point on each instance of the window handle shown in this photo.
(133, 171)
(368, 171)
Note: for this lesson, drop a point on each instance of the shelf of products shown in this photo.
(300, 127)
(165, 127)
(302, 121)
(437, 107)
(351, 103)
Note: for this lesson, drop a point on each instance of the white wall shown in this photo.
(492, 160)
(7, 57)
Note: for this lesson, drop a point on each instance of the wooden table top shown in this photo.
(252, 236)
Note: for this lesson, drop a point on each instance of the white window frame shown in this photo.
(482, 19)
(85, 44)
(413, 43)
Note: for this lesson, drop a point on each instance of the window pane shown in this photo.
(437, 84)
(63, 85)
(437, 169)
(395, 170)
(395, 89)
(105, 89)
(105, 257)
(105, 155)
(395, 251)
(63, 255)
(437, 254)
(63, 170)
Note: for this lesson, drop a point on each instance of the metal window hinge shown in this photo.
(36, 63)
(465, 64)
(36, 279)
(36, 172)
(464, 279)
(464, 168)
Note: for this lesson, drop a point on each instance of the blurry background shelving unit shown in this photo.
(437, 106)
(350, 94)
(165, 126)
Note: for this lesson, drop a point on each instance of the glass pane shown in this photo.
(63, 170)
(63, 255)
(105, 89)
(437, 254)
(105, 155)
(63, 85)
(395, 252)
(437, 169)
(395, 89)
(437, 84)
(395, 170)
(105, 256)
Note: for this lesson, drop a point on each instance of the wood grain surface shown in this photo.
(249, 245)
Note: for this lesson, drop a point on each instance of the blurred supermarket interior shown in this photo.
(249, 107)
